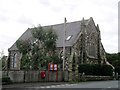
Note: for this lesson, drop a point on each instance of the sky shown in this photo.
(18, 15)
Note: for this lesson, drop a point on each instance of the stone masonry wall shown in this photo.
(35, 76)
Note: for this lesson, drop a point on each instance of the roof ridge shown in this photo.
(63, 23)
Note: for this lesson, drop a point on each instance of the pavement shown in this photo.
(34, 84)
(92, 85)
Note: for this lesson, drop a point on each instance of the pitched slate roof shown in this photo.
(72, 29)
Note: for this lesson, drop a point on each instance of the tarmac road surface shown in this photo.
(92, 85)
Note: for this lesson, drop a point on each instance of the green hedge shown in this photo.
(6, 79)
(117, 69)
(95, 69)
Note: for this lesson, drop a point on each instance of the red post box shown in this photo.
(43, 74)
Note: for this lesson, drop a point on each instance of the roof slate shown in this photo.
(72, 28)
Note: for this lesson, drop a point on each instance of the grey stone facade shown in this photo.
(84, 45)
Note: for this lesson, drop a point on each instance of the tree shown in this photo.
(41, 51)
(114, 59)
(24, 48)
(3, 61)
(46, 46)
(50, 40)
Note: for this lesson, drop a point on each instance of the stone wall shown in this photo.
(35, 76)
(16, 76)
(95, 78)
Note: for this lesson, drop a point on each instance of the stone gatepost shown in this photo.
(70, 68)
(76, 73)
(76, 67)
(73, 75)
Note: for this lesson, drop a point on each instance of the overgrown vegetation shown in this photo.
(6, 80)
(24, 48)
(114, 59)
(96, 69)
(3, 61)
(38, 53)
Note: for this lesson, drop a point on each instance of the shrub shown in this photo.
(106, 70)
(95, 69)
(117, 69)
(6, 80)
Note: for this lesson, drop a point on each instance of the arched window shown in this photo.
(14, 61)
(92, 45)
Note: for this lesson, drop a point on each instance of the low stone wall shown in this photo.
(95, 78)
(16, 76)
(35, 76)
(51, 76)
(31, 76)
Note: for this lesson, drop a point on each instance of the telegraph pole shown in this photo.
(64, 40)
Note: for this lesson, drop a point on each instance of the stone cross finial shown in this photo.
(83, 20)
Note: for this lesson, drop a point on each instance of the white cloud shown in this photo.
(17, 15)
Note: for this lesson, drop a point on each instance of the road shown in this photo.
(97, 85)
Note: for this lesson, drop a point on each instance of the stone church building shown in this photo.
(83, 44)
